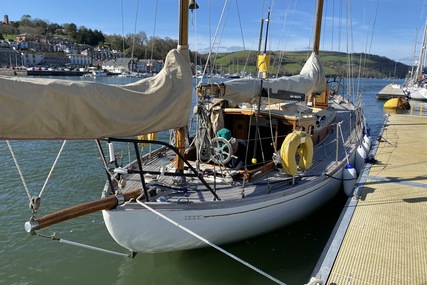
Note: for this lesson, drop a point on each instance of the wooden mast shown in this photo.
(182, 41)
(318, 26)
(322, 100)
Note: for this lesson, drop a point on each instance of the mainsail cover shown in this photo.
(33, 108)
(311, 79)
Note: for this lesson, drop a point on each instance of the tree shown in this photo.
(8, 29)
(141, 38)
(98, 37)
(33, 27)
(70, 29)
(158, 48)
(25, 20)
(40, 24)
(114, 41)
(54, 29)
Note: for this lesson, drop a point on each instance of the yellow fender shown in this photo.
(300, 143)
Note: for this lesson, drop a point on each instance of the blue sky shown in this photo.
(383, 27)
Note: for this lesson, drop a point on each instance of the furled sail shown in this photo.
(33, 108)
(311, 79)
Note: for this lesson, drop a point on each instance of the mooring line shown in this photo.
(210, 243)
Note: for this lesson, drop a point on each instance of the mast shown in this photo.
(318, 26)
(182, 42)
(263, 63)
(422, 59)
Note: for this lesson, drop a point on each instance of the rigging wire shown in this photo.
(22, 176)
(123, 29)
(53, 237)
(343, 140)
(208, 242)
(240, 23)
(51, 169)
(134, 29)
(194, 24)
(19, 170)
(154, 33)
(282, 49)
(215, 36)
(363, 57)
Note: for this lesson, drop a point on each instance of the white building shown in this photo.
(80, 60)
(31, 58)
(149, 66)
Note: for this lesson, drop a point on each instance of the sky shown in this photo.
(390, 28)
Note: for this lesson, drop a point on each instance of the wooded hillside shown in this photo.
(290, 63)
(140, 46)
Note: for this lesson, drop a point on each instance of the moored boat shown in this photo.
(265, 153)
(415, 86)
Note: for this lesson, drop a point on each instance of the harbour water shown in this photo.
(288, 254)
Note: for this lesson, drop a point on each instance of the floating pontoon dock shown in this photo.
(381, 237)
(390, 91)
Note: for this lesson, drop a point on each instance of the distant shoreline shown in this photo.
(41, 73)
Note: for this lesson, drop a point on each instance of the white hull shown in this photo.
(220, 222)
(417, 93)
(140, 230)
(271, 200)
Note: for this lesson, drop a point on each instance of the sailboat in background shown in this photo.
(415, 86)
(265, 153)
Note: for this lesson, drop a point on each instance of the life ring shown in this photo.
(297, 142)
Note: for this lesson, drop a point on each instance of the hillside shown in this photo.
(140, 46)
(290, 63)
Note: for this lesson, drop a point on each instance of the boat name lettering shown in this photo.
(194, 217)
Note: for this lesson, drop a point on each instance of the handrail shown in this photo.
(176, 151)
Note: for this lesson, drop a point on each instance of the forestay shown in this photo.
(33, 108)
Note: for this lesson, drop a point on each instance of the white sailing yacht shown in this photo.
(296, 144)
(415, 86)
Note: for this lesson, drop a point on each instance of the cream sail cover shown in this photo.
(311, 79)
(34, 108)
